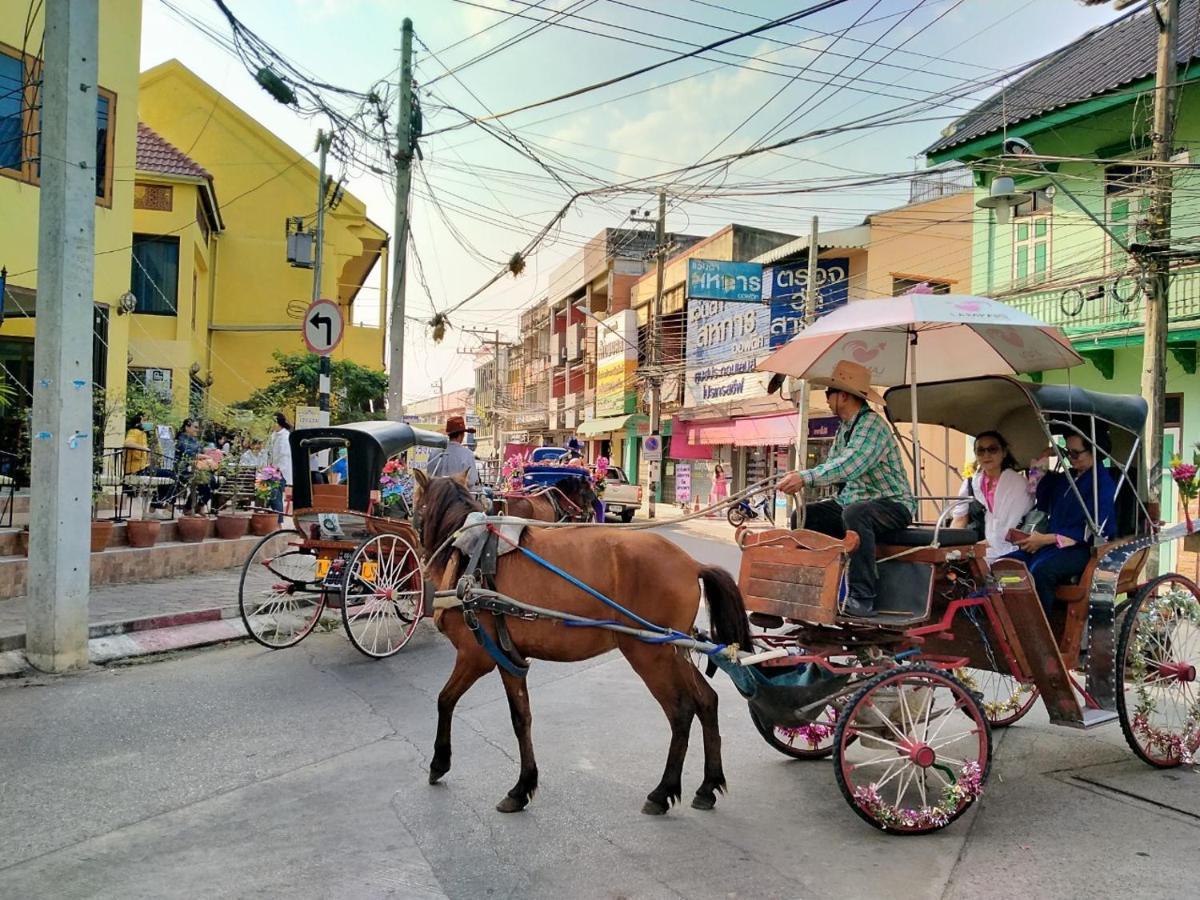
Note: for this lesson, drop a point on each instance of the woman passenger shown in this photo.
(1001, 489)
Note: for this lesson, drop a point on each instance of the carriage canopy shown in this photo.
(368, 446)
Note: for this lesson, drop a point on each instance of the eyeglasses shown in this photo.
(1075, 454)
(991, 448)
(829, 392)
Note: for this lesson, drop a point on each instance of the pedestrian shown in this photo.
(137, 447)
(279, 455)
(720, 484)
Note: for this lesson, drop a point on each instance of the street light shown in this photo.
(1003, 197)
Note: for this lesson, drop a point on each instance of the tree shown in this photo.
(357, 391)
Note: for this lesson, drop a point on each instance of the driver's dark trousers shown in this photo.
(868, 519)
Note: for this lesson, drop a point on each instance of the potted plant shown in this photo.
(265, 520)
(230, 523)
(192, 527)
(1187, 482)
(102, 529)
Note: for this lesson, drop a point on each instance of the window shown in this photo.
(1127, 178)
(1173, 411)
(1031, 240)
(154, 279)
(904, 284)
(1040, 203)
(20, 85)
(1128, 221)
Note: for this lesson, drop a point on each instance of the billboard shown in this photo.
(725, 342)
(733, 282)
(616, 362)
(786, 286)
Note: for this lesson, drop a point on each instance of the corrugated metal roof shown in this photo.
(1101, 61)
(856, 237)
(156, 154)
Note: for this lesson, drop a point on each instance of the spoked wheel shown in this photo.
(813, 741)
(280, 598)
(382, 595)
(735, 516)
(923, 753)
(1005, 699)
(1158, 657)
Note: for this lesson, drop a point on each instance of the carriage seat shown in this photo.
(923, 536)
(1077, 588)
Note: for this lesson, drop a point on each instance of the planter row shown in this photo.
(188, 529)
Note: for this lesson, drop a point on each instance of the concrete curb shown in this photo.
(9, 642)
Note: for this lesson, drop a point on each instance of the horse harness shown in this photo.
(481, 569)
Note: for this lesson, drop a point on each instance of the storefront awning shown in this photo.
(710, 433)
(681, 446)
(593, 427)
(762, 431)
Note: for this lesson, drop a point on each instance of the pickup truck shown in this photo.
(621, 498)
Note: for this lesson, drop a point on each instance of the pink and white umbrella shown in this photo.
(954, 336)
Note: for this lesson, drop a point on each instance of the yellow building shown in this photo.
(237, 299)
(116, 138)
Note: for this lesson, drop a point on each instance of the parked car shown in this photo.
(621, 499)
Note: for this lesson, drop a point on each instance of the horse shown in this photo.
(652, 577)
(571, 499)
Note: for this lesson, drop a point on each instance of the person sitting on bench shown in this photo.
(1064, 551)
(865, 460)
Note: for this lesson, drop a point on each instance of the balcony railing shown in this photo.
(1096, 305)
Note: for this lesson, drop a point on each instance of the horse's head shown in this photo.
(579, 490)
(440, 506)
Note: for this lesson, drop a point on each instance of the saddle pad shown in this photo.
(473, 533)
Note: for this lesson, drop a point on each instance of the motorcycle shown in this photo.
(743, 511)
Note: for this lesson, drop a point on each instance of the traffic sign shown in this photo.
(652, 447)
(323, 326)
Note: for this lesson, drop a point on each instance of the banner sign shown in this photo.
(683, 483)
(616, 363)
(733, 282)
(725, 342)
(786, 286)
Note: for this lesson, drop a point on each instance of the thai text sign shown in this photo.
(786, 286)
(616, 363)
(683, 483)
(725, 342)
(716, 279)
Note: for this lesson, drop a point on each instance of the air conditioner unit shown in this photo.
(159, 381)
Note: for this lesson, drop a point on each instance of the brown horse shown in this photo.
(645, 573)
(571, 499)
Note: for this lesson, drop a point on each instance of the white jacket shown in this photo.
(279, 452)
(1012, 502)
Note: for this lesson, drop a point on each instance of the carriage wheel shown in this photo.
(1005, 699)
(923, 753)
(813, 741)
(279, 597)
(1158, 657)
(382, 595)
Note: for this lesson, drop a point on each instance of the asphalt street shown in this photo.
(238, 771)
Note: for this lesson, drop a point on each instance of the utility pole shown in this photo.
(404, 155)
(493, 338)
(655, 333)
(56, 611)
(1158, 266)
(323, 378)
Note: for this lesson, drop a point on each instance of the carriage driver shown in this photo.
(865, 461)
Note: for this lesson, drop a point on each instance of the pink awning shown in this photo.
(712, 432)
(681, 442)
(761, 431)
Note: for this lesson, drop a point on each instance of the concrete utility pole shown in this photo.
(655, 335)
(493, 338)
(1158, 265)
(323, 378)
(56, 612)
(404, 155)
(810, 315)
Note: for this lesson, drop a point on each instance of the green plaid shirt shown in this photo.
(865, 459)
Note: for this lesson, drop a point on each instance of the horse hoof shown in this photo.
(654, 808)
(699, 802)
(511, 805)
(435, 774)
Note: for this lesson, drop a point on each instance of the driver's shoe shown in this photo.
(854, 608)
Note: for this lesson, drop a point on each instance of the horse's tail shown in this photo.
(726, 611)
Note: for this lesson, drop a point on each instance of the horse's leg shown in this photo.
(469, 667)
(659, 668)
(706, 708)
(522, 719)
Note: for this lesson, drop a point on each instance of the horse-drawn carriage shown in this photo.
(551, 488)
(344, 550)
(905, 702)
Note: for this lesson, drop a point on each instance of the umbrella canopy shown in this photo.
(955, 335)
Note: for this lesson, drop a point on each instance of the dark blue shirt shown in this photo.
(1066, 516)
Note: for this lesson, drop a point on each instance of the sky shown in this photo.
(859, 58)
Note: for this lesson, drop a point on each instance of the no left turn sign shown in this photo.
(323, 327)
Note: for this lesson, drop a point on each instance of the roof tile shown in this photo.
(156, 154)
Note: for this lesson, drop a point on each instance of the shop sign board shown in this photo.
(718, 279)
(786, 286)
(683, 483)
(616, 363)
(725, 341)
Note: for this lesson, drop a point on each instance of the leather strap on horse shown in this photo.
(484, 561)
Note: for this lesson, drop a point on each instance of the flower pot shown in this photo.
(138, 532)
(231, 527)
(263, 523)
(192, 529)
(101, 534)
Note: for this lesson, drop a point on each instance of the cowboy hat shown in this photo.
(457, 425)
(851, 378)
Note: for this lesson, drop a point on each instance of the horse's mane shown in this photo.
(445, 504)
(578, 490)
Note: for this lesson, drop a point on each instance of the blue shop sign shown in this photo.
(733, 282)
(786, 286)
